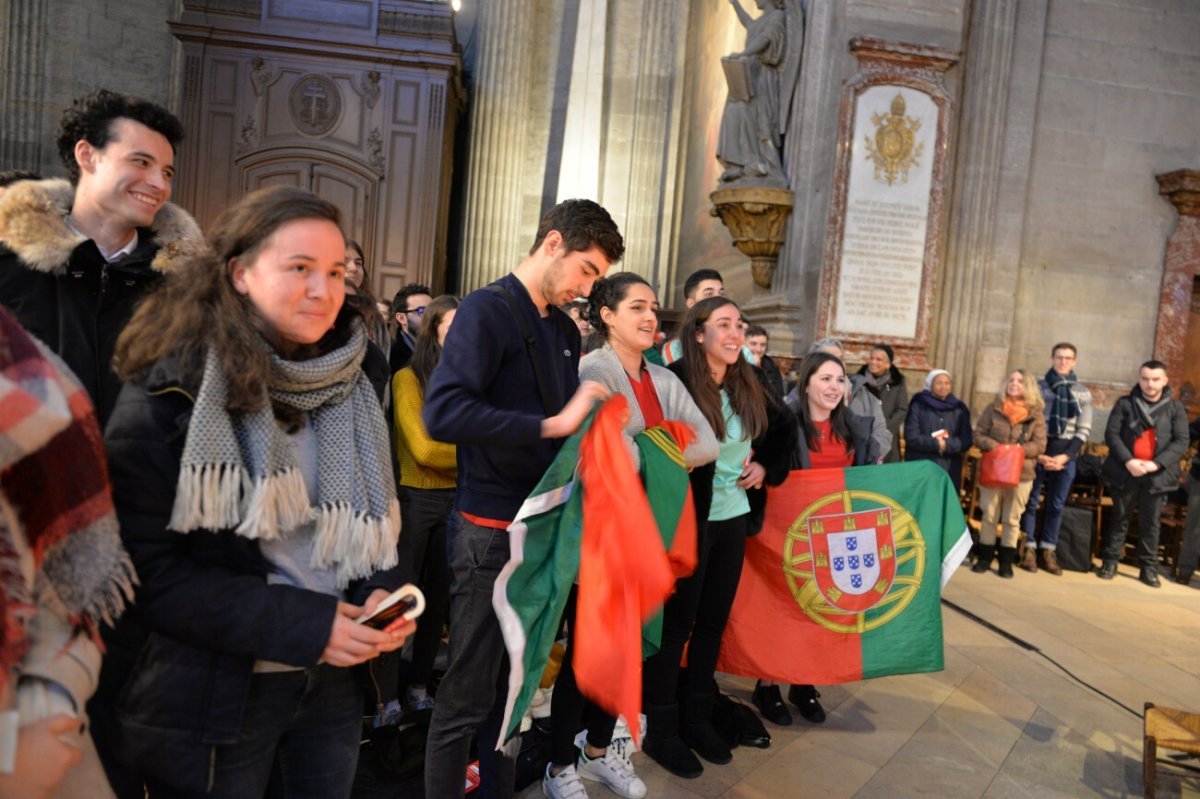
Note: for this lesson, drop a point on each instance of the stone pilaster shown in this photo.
(653, 135)
(499, 111)
(24, 143)
(1180, 269)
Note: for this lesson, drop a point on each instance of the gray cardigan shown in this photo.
(604, 367)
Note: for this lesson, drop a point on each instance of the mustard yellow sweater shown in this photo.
(424, 463)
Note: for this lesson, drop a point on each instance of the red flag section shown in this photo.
(624, 573)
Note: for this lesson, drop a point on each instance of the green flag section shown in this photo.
(844, 582)
(532, 588)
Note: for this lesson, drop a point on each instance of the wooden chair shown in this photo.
(1168, 728)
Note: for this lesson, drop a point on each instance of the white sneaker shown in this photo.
(614, 770)
(566, 785)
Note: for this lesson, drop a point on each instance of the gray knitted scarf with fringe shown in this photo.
(239, 471)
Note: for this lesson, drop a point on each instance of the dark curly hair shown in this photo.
(582, 224)
(90, 118)
(608, 293)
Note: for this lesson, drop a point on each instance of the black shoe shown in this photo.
(986, 553)
(1107, 571)
(805, 698)
(663, 745)
(697, 730)
(1150, 577)
(768, 701)
(1183, 578)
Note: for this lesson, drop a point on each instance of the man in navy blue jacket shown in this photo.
(508, 419)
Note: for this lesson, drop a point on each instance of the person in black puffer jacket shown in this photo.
(938, 427)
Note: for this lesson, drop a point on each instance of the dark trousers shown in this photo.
(698, 610)
(568, 707)
(1150, 507)
(1058, 487)
(424, 513)
(470, 698)
(299, 739)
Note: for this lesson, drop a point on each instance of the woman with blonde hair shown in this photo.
(1014, 417)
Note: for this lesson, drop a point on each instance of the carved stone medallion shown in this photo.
(893, 150)
(315, 104)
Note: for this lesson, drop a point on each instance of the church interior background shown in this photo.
(1038, 181)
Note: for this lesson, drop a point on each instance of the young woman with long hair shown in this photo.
(1014, 417)
(252, 478)
(360, 295)
(623, 310)
(755, 436)
(428, 475)
(831, 437)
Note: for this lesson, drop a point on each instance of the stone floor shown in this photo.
(1000, 720)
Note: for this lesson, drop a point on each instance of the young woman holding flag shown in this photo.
(624, 310)
(831, 437)
(756, 437)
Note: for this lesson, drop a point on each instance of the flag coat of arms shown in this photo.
(844, 582)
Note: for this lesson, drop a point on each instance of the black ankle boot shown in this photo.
(986, 552)
(664, 746)
(1007, 555)
(697, 729)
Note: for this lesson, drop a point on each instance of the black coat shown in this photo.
(204, 608)
(925, 418)
(1171, 442)
(65, 293)
(893, 395)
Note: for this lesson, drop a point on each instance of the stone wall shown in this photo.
(1119, 103)
(56, 50)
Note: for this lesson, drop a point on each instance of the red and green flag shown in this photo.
(844, 582)
(634, 535)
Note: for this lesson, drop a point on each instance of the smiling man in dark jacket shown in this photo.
(78, 256)
(1147, 436)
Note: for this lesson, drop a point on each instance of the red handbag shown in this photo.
(1001, 467)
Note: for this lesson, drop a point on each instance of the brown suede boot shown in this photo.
(1029, 559)
(1050, 561)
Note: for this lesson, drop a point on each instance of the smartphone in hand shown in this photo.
(406, 602)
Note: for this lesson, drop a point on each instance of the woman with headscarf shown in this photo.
(938, 427)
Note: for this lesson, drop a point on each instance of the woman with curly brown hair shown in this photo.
(252, 478)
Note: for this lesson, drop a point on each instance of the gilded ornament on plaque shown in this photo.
(894, 149)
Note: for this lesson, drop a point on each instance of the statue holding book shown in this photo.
(761, 79)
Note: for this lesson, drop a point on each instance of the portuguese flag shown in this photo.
(844, 582)
(635, 534)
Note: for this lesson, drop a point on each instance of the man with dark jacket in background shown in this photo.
(506, 391)
(1147, 436)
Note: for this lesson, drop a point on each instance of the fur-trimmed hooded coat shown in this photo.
(65, 293)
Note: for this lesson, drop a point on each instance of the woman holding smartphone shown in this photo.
(252, 478)
(623, 309)
(755, 437)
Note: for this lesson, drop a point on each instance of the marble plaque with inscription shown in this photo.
(887, 213)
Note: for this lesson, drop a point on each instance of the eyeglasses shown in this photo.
(419, 310)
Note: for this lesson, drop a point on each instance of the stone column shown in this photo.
(1182, 266)
(499, 110)
(24, 144)
(977, 301)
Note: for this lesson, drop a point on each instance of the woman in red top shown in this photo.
(831, 437)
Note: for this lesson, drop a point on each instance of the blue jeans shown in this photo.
(299, 739)
(1058, 486)
(470, 698)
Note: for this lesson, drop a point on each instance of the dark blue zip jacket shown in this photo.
(483, 396)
